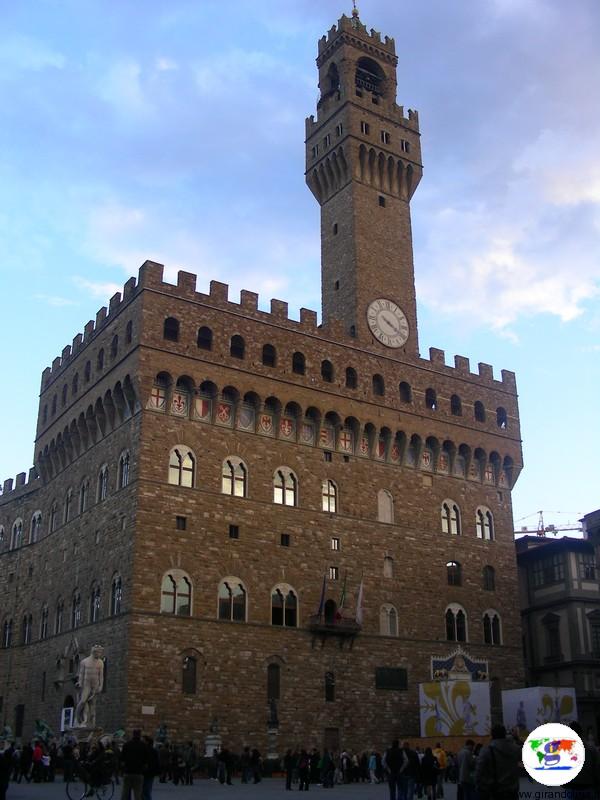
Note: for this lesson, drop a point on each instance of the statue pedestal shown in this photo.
(212, 742)
(272, 736)
(84, 734)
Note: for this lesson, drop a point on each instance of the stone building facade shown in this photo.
(265, 521)
(560, 607)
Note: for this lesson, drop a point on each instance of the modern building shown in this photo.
(559, 588)
(273, 527)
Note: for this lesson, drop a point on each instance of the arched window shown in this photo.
(83, 496)
(59, 616)
(176, 594)
(76, 610)
(479, 411)
(129, 332)
(237, 348)
(329, 494)
(75, 384)
(171, 329)
(269, 355)
(53, 517)
(351, 378)
(378, 385)
(232, 600)
(388, 620)
(87, 371)
(385, 506)
(234, 477)
(27, 629)
(68, 505)
(273, 682)
(100, 360)
(65, 389)
(16, 539)
(116, 595)
(501, 418)
(103, 483)
(7, 633)
(450, 518)
(95, 603)
(454, 573)
(491, 627)
(327, 371)
(388, 567)
(45, 415)
(53, 408)
(1, 534)
(188, 675)
(329, 687)
(123, 477)
(489, 578)
(456, 405)
(114, 347)
(456, 624)
(284, 607)
(204, 339)
(484, 523)
(298, 364)
(430, 399)
(182, 467)
(405, 392)
(285, 487)
(44, 622)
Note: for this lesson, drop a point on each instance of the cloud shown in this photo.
(122, 88)
(28, 54)
(166, 64)
(53, 300)
(97, 288)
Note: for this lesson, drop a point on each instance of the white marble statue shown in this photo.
(90, 681)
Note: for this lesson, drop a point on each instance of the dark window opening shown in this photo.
(285, 540)
(188, 675)
(405, 392)
(269, 355)
(382, 201)
(479, 411)
(237, 347)
(336, 285)
(171, 329)
(353, 331)
(298, 364)
(234, 531)
(180, 523)
(378, 385)
(129, 332)
(453, 571)
(329, 687)
(455, 405)
(431, 399)
(273, 682)
(501, 418)
(327, 455)
(327, 371)
(369, 76)
(205, 338)
(335, 228)
(351, 378)
(391, 678)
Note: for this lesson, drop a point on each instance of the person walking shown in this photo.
(497, 768)
(440, 754)
(256, 765)
(411, 773)
(429, 773)
(394, 764)
(466, 772)
(134, 757)
(6, 765)
(303, 771)
(152, 769)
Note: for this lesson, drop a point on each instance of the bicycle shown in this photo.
(81, 786)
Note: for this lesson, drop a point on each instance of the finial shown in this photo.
(354, 9)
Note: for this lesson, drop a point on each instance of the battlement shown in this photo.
(355, 27)
(23, 483)
(462, 367)
(103, 316)
(394, 112)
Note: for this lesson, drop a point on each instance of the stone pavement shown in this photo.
(204, 789)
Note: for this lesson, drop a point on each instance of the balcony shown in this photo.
(344, 628)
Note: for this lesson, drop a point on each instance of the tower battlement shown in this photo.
(354, 27)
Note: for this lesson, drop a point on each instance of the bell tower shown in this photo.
(363, 164)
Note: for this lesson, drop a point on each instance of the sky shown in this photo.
(173, 130)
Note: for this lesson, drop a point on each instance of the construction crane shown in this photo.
(542, 529)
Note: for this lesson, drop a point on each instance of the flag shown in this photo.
(359, 604)
(343, 595)
(322, 600)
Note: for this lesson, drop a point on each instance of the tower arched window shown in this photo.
(489, 578)
(123, 476)
(351, 378)
(44, 622)
(87, 371)
(431, 399)
(53, 407)
(388, 620)
(329, 687)
(273, 682)
(237, 347)
(114, 347)
(95, 600)
(285, 487)
(59, 616)
(204, 339)
(16, 539)
(455, 405)
(171, 329)
(116, 595)
(65, 390)
(189, 669)
(103, 483)
(385, 506)
(298, 363)
(100, 360)
(378, 385)
(405, 392)
(327, 371)
(182, 467)
(454, 573)
(129, 332)
(75, 384)
(484, 523)
(491, 627)
(1, 535)
(53, 517)
(501, 418)
(329, 496)
(68, 505)
(27, 629)
(388, 567)
(7, 633)
(284, 607)
(456, 623)
(176, 594)
(234, 477)
(450, 518)
(479, 411)
(369, 77)
(232, 600)
(75, 610)
(83, 495)
(269, 356)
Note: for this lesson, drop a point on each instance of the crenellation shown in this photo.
(219, 291)
(308, 318)
(20, 481)
(150, 275)
(45, 377)
(114, 303)
(248, 300)
(65, 355)
(88, 331)
(279, 310)
(7, 486)
(486, 371)
(56, 364)
(186, 282)
(462, 365)
(437, 356)
(32, 475)
(509, 379)
(101, 315)
(77, 343)
(129, 289)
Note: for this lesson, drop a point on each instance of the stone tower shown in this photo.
(363, 164)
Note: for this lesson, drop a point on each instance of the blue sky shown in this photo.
(174, 131)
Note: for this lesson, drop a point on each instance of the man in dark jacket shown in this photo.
(6, 764)
(395, 762)
(134, 757)
(497, 770)
(410, 774)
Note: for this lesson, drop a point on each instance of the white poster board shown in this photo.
(455, 708)
(528, 708)
(66, 718)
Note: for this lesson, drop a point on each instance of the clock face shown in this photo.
(387, 322)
